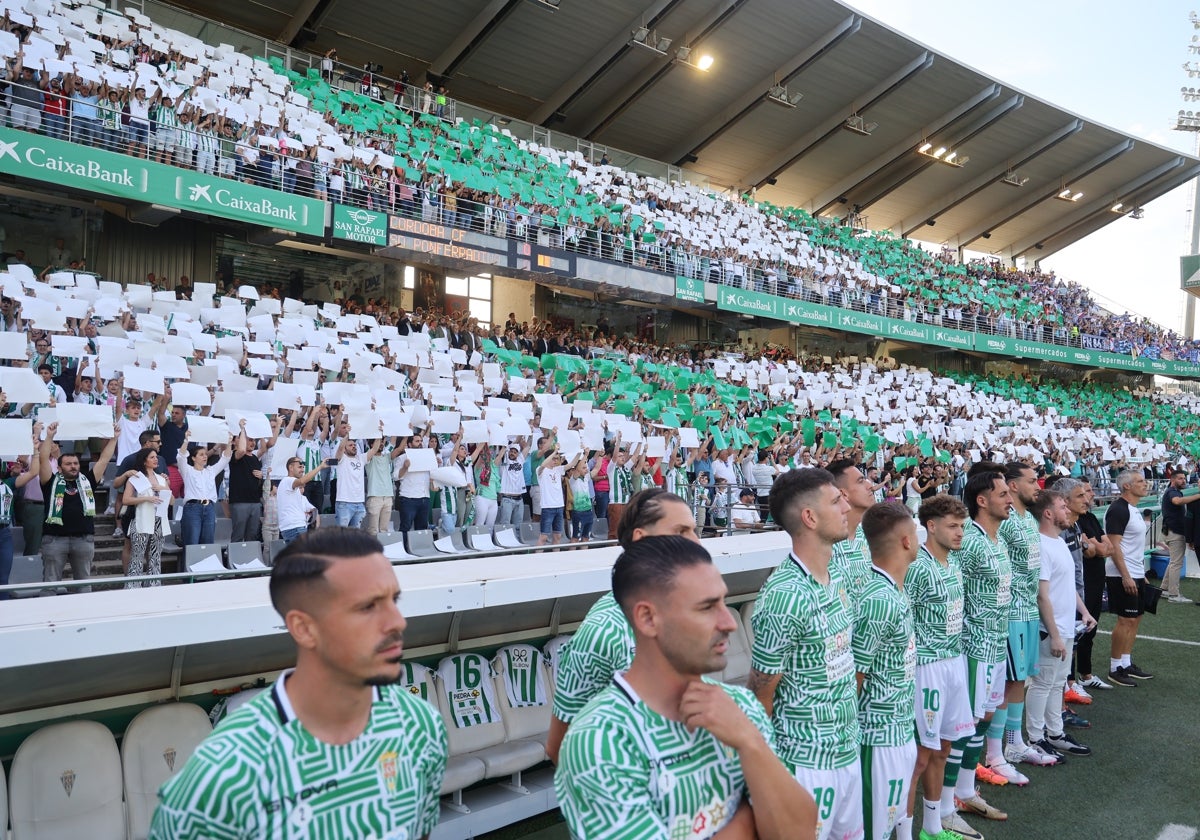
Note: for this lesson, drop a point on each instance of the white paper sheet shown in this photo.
(77, 421)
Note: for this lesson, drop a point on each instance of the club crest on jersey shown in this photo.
(389, 768)
(414, 689)
(68, 781)
(169, 757)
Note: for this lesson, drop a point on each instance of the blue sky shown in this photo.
(1116, 63)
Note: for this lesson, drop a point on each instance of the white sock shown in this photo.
(947, 804)
(1125, 661)
(995, 751)
(904, 826)
(1114, 664)
(931, 817)
(965, 788)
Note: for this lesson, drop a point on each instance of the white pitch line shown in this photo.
(1174, 831)
(1160, 639)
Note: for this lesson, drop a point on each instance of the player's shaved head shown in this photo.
(298, 572)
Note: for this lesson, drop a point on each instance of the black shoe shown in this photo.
(1074, 721)
(1121, 677)
(1137, 673)
(1064, 743)
(1049, 749)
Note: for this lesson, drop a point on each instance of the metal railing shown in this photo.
(278, 168)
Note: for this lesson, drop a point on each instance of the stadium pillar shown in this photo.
(1189, 312)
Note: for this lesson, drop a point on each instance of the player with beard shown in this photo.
(374, 755)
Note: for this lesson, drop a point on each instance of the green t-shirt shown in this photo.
(602, 646)
(852, 560)
(936, 594)
(1024, 543)
(987, 595)
(802, 631)
(625, 772)
(885, 653)
(261, 774)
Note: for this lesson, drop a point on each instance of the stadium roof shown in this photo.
(576, 70)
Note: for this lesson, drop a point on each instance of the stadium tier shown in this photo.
(216, 112)
(168, 449)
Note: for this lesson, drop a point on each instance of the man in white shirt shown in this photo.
(745, 515)
(294, 508)
(550, 480)
(512, 483)
(414, 489)
(351, 507)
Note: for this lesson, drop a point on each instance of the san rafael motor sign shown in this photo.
(95, 170)
(355, 224)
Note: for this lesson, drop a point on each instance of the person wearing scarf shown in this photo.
(69, 532)
(149, 494)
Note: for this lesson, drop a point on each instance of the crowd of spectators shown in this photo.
(331, 403)
(122, 82)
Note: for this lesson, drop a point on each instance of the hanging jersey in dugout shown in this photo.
(414, 678)
(467, 680)
(520, 666)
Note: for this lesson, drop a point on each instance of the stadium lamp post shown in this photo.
(1187, 121)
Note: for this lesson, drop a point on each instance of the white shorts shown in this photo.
(985, 686)
(886, 778)
(838, 794)
(163, 139)
(941, 702)
(535, 500)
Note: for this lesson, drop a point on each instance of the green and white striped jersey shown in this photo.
(262, 775)
(467, 681)
(620, 483)
(987, 594)
(936, 594)
(414, 678)
(1024, 543)
(553, 649)
(520, 666)
(625, 772)
(852, 560)
(885, 653)
(602, 646)
(802, 631)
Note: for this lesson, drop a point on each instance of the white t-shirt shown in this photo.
(724, 469)
(292, 505)
(550, 480)
(413, 485)
(127, 440)
(1058, 567)
(742, 513)
(351, 483)
(512, 476)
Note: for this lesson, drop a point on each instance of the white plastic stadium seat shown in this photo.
(157, 743)
(486, 740)
(507, 538)
(66, 782)
(3, 802)
(530, 722)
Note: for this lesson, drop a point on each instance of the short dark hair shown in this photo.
(840, 466)
(45, 367)
(1042, 500)
(941, 506)
(651, 563)
(644, 509)
(880, 520)
(1177, 471)
(147, 435)
(1013, 470)
(792, 486)
(978, 484)
(303, 562)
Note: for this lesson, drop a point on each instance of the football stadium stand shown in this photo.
(437, 421)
